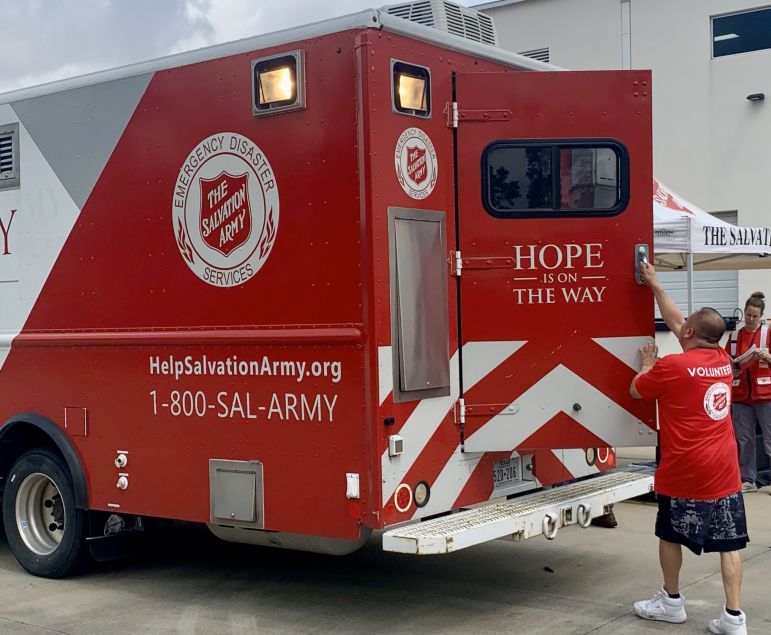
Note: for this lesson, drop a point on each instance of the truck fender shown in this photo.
(36, 426)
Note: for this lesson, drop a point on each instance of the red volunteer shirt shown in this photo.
(748, 392)
(698, 449)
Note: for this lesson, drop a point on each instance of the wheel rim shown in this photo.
(40, 514)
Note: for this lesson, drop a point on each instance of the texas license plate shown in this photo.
(506, 472)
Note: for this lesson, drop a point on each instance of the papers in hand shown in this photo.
(747, 358)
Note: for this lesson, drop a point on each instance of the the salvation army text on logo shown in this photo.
(225, 209)
(416, 164)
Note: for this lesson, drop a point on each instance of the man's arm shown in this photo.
(648, 354)
(670, 313)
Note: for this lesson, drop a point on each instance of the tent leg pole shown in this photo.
(690, 283)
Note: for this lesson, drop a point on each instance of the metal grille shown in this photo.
(419, 12)
(6, 154)
(542, 55)
(521, 506)
(450, 18)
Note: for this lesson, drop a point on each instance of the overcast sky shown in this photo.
(44, 40)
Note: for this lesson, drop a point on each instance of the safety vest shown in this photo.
(754, 382)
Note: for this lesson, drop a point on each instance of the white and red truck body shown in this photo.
(229, 318)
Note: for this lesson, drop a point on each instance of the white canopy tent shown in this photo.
(688, 238)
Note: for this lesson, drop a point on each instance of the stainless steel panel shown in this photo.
(419, 311)
(236, 494)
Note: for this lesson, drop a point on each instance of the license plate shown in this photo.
(505, 472)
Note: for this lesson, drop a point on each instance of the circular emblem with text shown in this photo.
(225, 209)
(416, 164)
(717, 401)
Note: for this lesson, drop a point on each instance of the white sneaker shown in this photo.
(748, 487)
(663, 608)
(728, 624)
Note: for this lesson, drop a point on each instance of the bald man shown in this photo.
(697, 481)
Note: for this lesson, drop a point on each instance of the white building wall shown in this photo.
(565, 26)
(710, 144)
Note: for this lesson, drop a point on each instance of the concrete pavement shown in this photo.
(583, 582)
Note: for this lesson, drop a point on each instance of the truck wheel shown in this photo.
(44, 529)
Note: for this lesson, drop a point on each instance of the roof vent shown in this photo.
(448, 17)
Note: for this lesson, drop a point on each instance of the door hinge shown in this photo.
(451, 114)
(485, 115)
(456, 263)
(461, 411)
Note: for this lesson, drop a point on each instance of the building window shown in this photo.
(555, 177)
(741, 32)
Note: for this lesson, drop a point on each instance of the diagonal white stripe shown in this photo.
(5, 346)
(385, 374)
(575, 462)
(450, 482)
(479, 358)
(627, 349)
(45, 215)
(557, 392)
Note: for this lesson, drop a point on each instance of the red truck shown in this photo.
(360, 275)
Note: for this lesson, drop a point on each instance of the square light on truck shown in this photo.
(411, 89)
(278, 84)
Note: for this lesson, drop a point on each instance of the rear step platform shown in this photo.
(542, 512)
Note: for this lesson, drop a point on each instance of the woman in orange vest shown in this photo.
(751, 388)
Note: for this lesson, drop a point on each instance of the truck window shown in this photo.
(555, 178)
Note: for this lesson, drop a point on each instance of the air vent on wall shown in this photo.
(6, 154)
(450, 18)
(542, 55)
(9, 156)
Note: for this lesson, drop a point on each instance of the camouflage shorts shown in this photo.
(708, 525)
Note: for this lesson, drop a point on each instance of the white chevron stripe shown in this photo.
(385, 372)
(575, 462)
(45, 215)
(627, 349)
(557, 392)
(5, 346)
(479, 359)
(450, 482)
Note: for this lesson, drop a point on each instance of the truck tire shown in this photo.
(44, 529)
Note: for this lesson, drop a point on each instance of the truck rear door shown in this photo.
(553, 184)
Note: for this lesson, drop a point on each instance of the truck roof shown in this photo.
(371, 18)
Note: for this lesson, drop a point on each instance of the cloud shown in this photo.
(44, 40)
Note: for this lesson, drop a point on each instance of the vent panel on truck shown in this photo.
(450, 18)
(9, 160)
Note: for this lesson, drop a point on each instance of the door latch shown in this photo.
(641, 254)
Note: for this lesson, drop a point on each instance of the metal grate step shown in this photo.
(521, 517)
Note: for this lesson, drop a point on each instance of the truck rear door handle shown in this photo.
(641, 253)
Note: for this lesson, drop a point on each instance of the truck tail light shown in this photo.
(422, 493)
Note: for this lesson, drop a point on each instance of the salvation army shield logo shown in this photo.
(416, 164)
(226, 219)
(225, 209)
(717, 401)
